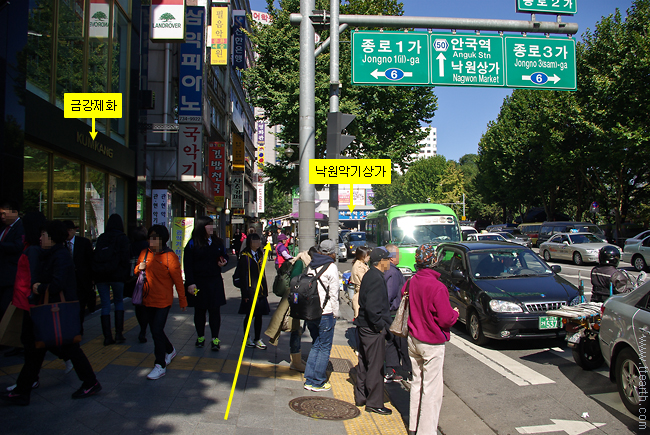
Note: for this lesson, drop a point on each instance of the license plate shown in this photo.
(549, 322)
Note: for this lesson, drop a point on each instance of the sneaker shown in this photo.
(157, 372)
(392, 376)
(216, 344)
(169, 357)
(260, 344)
(35, 385)
(200, 342)
(68, 367)
(250, 343)
(82, 392)
(326, 387)
(16, 399)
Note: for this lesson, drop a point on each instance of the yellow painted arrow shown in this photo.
(267, 249)
(351, 205)
(93, 133)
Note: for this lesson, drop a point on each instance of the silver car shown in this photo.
(638, 254)
(519, 239)
(577, 247)
(624, 337)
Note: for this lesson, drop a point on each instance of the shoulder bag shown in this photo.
(56, 324)
(400, 325)
(139, 285)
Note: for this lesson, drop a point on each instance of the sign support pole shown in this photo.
(334, 108)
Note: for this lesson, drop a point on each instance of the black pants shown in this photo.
(141, 315)
(6, 294)
(257, 326)
(369, 388)
(397, 353)
(157, 317)
(34, 360)
(215, 321)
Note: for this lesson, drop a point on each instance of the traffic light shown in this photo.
(336, 142)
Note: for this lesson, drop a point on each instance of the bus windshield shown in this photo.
(418, 230)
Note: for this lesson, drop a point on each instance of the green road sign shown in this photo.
(562, 7)
(466, 60)
(540, 63)
(390, 58)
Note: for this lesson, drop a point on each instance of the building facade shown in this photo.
(429, 145)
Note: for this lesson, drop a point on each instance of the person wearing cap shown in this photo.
(322, 330)
(397, 354)
(282, 251)
(81, 250)
(373, 323)
(430, 317)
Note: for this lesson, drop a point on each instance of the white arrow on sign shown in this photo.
(376, 74)
(571, 427)
(553, 79)
(441, 62)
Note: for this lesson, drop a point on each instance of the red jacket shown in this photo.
(430, 313)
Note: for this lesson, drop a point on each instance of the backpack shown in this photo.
(282, 279)
(237, 280)
(106, 258)
(304, 300)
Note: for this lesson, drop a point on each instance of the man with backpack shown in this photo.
(321, 275)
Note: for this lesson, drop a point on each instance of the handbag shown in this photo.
(139, 284)
(56, 324)
(400, 325)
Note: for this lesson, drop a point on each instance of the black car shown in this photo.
(503, 290)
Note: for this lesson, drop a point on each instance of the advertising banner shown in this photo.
(358, 196)
(260, 197)
(216, 169)
(219, 49)
(190, 88)
(98, 24)
(190, 143)
(181, 234)
(167, 20)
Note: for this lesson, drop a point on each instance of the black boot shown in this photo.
(106, 329)
(142, 321)
(119, 326)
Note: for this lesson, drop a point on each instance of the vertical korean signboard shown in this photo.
(238, 39)
(191, 68)
(261, 141)
(161, 204)
(167, 20)
(216, 168)
(238, 153)
(237, 193)
(219, 49)
(190, 145)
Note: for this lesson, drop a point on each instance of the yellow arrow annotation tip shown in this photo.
(351, 205)
(93, 133)
(267, 249)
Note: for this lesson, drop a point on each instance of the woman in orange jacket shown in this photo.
(163, 273)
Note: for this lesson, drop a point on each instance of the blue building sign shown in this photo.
(348, 215)
(190, 88)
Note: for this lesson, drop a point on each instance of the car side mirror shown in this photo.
(565, 243)
(556, 268)
(457, 275)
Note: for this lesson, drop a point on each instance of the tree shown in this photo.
(386, 195)
(423, 180)
(277, 203)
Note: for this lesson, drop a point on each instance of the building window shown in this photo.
(66, 190)
(116, 195)
(95, 194)
(38, 58)
(70, 49)
(119, 70)
(35, 179)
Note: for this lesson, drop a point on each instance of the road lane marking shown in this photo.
(571, 427)
(502, 364)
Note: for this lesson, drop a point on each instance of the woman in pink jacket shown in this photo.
(430, 317)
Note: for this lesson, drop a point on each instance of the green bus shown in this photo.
(409, 226)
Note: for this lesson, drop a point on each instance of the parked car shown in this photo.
(495, 237)
(503, 290)
(466, 230)
(623, 337)
(342, 252)
(519, 239)
(353, 240)
(499, 227)
(638, 254)
(550, 228)
(577, 247)
(531, 230)
(636, 239)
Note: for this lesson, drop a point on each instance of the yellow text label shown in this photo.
(92, 105)
(344, 171)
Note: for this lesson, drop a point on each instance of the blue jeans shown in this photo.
(322, 334)
(105, 295)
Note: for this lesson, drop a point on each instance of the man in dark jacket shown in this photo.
(397, 352)
(81, 250)
(605, 275)
(373, 323)
(12, 236)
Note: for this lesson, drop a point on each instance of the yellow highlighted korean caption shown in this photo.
(92, 105)
(344, 171)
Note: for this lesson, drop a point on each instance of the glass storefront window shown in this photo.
(38, 52)
(116, 196)
(119, 70)
(95, 199)
(35, 178)
(98, 27)
(66, 190)
(70, 49)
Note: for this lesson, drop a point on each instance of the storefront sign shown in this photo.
(167, 20)
(358, 197)
(260, 197)
(353, 215)
(238, 39)
(370, 194)
(98, 24)
(238, 153)
(161, 204)
(190, 89)
(216, 168)
(237, 191)
(181, 234)
(219, 49)
(190, 144)
(262, 17)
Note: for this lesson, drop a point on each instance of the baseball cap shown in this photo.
(327, 247)
(378, 254)
(69, 225)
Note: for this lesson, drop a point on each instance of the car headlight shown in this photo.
(577, 300)
(504, 307)
(592, 251)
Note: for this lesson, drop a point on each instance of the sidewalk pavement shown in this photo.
(193, 396)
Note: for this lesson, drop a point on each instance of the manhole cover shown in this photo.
(324, 408)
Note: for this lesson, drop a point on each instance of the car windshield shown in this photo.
(489, 237)
(418, 230)
(357, 237)
(584, 238)
(508, 235)
(588, 229)
(506, 263)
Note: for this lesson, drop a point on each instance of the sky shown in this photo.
(464, 112)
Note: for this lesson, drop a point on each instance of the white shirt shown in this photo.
(70, 245)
